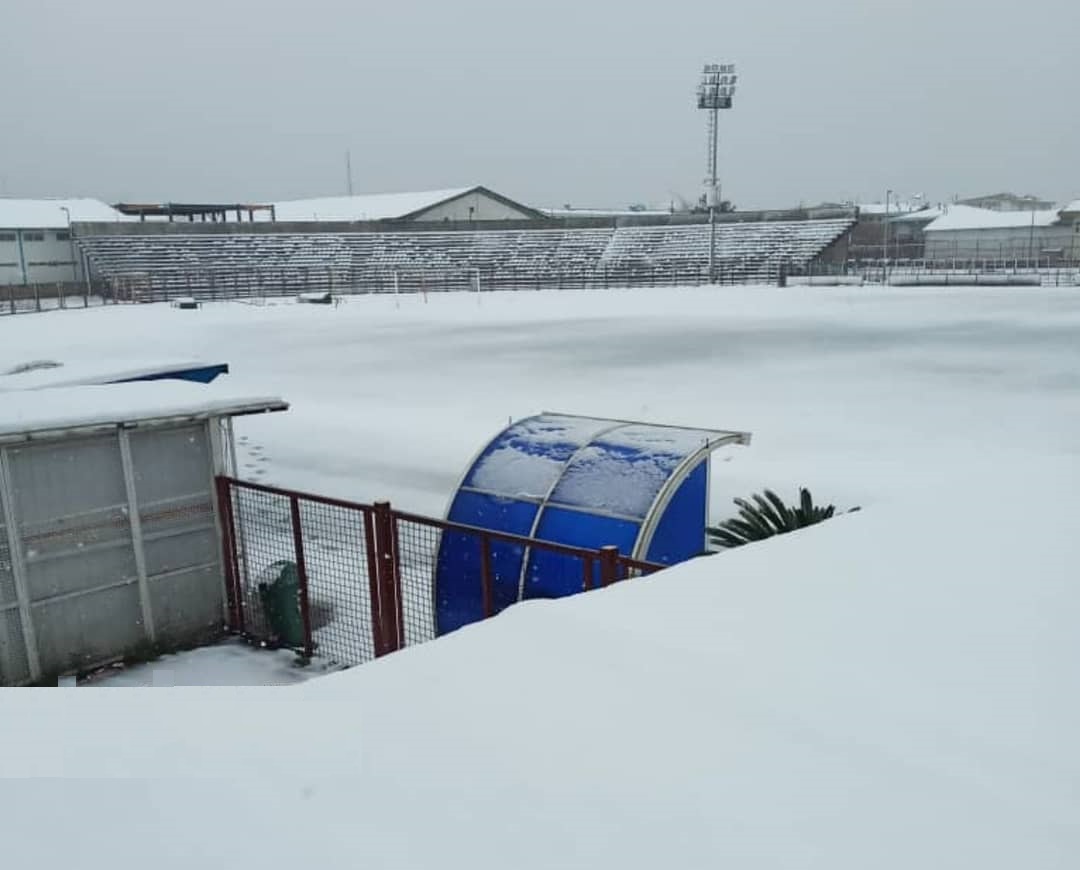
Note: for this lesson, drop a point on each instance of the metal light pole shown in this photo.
(715, 92)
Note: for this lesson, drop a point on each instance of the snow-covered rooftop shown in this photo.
(966, 217)
(925, 214)
(1073, 207)
(24, 413)
(603, 212)
(49, 213)
(367, 207)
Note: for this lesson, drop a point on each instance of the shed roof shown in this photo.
(966, 217)
(47, 214)
(26, 414)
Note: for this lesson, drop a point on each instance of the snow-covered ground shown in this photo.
(232, 663)
(892, 689)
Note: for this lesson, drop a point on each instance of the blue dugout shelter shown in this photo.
(583, 481)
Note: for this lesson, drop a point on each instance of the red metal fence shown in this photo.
(364, 573)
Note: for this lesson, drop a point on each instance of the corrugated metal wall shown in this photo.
(110, 549)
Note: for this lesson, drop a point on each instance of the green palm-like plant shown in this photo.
(767, 515)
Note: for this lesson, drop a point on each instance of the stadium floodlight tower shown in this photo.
(715, 92)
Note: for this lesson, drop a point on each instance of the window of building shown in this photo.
(33, 237)
(7, 237)
(63, 236)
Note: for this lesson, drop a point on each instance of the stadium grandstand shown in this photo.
(288, 257)
(434, 240)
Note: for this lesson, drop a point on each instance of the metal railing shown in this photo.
(364, 573)
(27, 298)
(270, 282)
(997, 271)
(265, 284)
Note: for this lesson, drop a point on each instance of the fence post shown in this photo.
(378, 634)
(233, 592)
(389, 579)
(609, 565)
(486, 591)
(301, 574)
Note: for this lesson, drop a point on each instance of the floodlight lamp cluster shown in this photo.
(717, 88)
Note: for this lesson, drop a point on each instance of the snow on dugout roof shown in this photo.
(44, 214)
(367, 207)
(967, 217)
(29, 413)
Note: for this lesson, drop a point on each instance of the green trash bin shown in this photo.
(279, 593)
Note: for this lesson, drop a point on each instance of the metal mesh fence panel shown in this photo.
(264, 544)
(336, 556)
(417, 549)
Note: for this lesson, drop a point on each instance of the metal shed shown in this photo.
(583, 481)
(109, 539)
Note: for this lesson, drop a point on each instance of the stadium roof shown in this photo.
(49, 213)
(380, 206)
(966, 217)
(190, 209)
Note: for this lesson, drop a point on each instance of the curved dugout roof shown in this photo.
(584, 481)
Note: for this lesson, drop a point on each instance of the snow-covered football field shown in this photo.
(894, 688)
(858, 393)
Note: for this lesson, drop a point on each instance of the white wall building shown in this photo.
(36, 246)
(966, 233)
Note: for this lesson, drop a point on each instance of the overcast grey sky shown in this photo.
(589, 103)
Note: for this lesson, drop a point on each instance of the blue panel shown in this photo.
(458, 591)
(680, 534)
(551, 575)
(199, 374)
